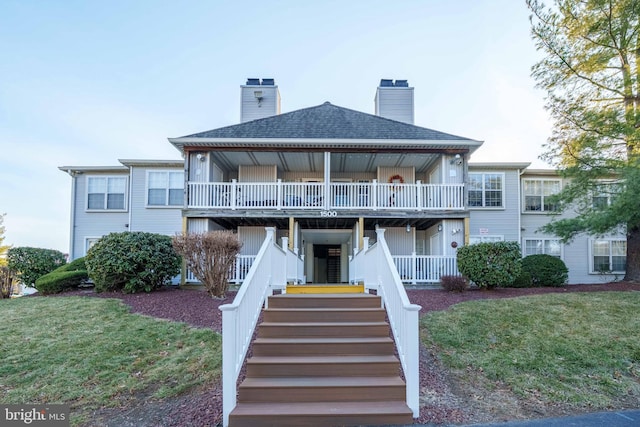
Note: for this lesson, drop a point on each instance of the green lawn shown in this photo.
(92, 353)
(578, 349)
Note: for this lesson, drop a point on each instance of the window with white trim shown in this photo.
(551, 247)
(89, 242)
(608, 256)
(536, 194)
(484, 238)
(486, 190)
(165, 188)
(603, 193)
(106, 193)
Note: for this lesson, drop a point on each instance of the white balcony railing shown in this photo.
(317, 195)
(416, 269)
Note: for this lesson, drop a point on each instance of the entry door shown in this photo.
(326, 263)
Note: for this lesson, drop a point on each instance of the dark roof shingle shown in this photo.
(326, 121)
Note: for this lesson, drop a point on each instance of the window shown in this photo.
(603, 193)
(485, 238)
(608, 256)
(551, 247)
(165, 188)
(89, 242)
(486, 190)
(106, 193)
(537, 192)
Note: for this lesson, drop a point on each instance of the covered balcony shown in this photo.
(331, 196)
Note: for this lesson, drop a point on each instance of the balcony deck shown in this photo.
(333, 196)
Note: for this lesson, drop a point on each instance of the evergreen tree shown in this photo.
(591, 73)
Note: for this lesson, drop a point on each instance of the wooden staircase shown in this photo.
(322, 360)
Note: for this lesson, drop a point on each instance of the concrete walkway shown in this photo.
(598, 419)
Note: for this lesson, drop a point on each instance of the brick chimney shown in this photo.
(394, 100)
(259, 99)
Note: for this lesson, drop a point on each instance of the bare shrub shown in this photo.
(454, 283)
(210, 257)
(6, 282)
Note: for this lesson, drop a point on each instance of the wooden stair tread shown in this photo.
(336, 324)
(322, 340)
(329, 309)
(341, 296)
(313, 382)
(292, 360)
(323, 408)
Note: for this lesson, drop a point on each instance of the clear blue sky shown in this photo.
(85, 83)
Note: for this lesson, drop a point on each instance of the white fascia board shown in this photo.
(148, 162)
(84, 169)
(287, 142)
(499, 165)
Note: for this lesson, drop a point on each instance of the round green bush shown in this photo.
(545, 270)
(132, 262)
(491, 264)
(33, 263)
(523, 280)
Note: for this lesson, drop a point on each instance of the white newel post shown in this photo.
(234, 194)
(413, 365)
(229, 379)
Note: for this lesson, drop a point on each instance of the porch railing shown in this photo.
(238, 273)
(316, 195)
(380, 274)
(416, 269)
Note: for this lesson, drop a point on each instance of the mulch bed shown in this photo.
(439, 403)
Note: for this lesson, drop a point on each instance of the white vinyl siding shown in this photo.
(551, 247)
(608, 256)
(485, 239)
(106, 193)
(165, 188)
(486, 190)
(536, 192)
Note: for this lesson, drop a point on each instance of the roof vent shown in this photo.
(402, 83)
(267, 82)
(386, 83)
(253, 82)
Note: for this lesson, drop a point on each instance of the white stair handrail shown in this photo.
(381, 274)
(239, 318)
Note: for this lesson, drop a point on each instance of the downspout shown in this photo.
(520, 173)
(129, 226)
(72, 225)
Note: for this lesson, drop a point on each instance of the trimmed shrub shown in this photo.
(523, 280)
(32, 263)
(68, 276)
(490, 264)
(132, 262)
(546, 270)
(75, 265)
(60, 281)
(454, 283)
(210, 257)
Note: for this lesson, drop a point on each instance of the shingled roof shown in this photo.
(326, 121)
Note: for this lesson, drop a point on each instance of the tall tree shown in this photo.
(591, 73)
